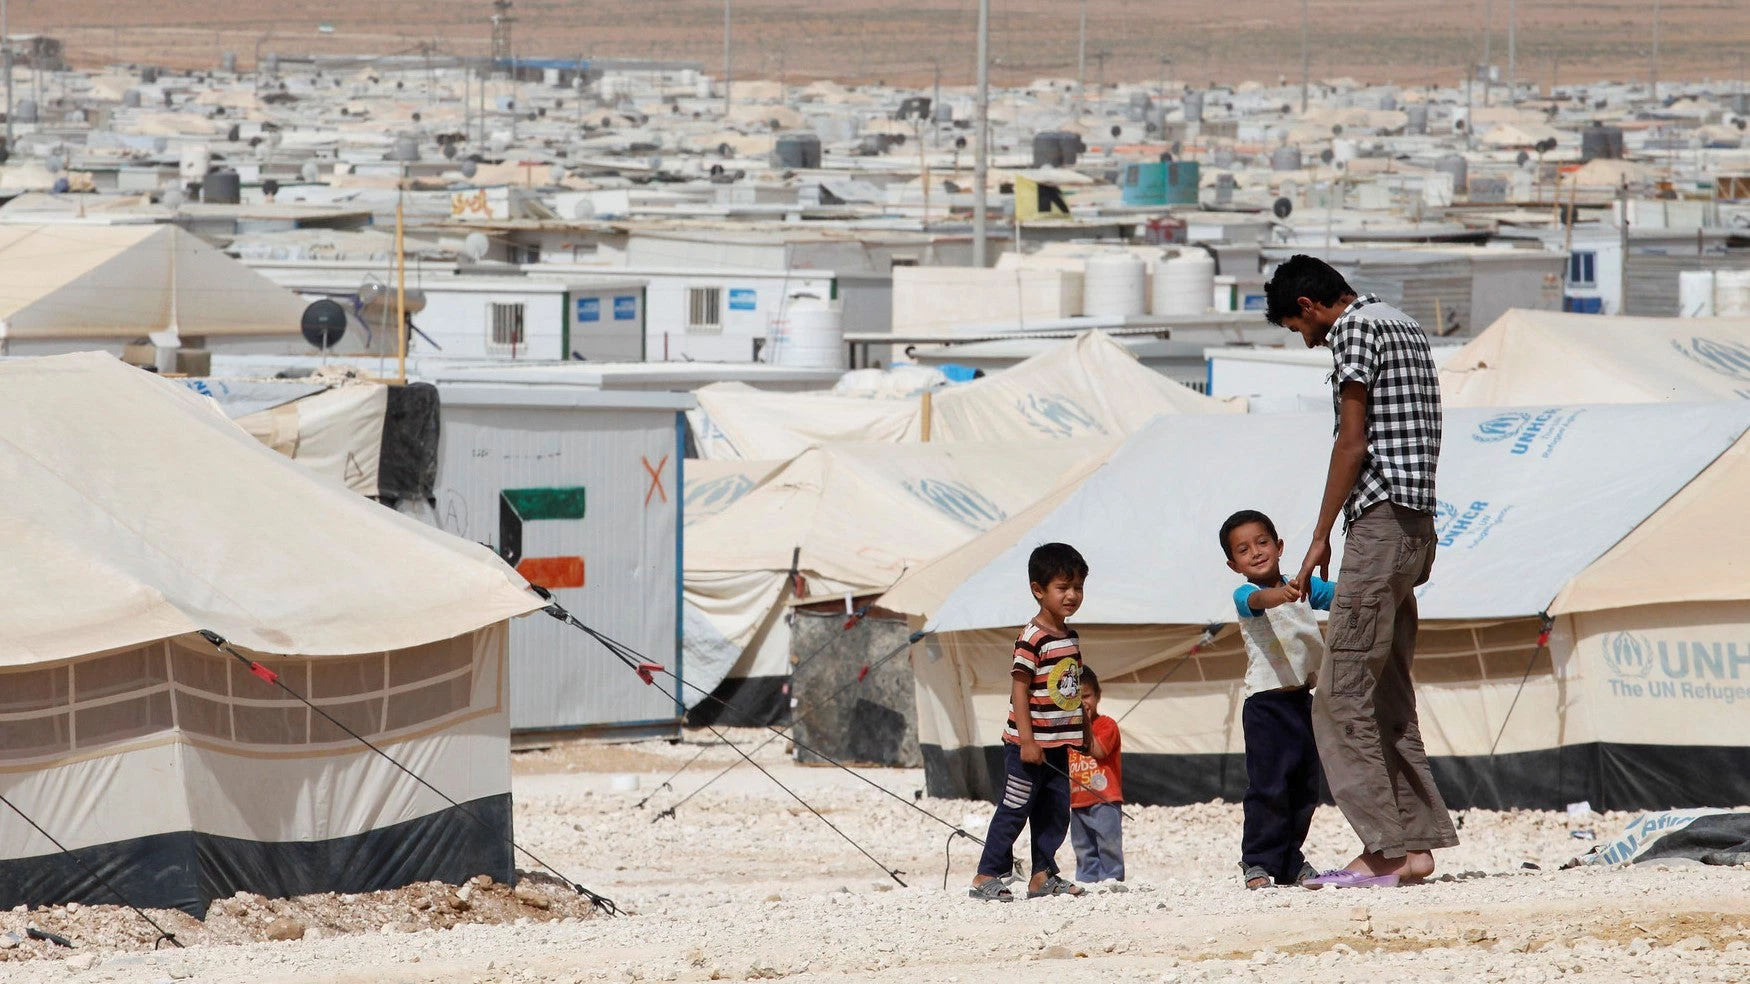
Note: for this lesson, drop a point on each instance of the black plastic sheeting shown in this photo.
(407, 467)
(1609, 776)
(747, 702)
(846, 706)
(188, 870)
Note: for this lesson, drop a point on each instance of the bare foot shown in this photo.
(1414, 866)
(978, 880)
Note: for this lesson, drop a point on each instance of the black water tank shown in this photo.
(222, 188)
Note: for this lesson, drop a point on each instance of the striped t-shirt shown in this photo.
(1054, 664)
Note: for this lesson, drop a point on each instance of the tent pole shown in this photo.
(401, 280)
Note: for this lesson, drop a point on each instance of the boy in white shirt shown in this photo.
(1284, 646)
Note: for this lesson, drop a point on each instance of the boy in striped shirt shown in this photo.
(1045, 722)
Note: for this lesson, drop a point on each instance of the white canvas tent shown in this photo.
(68, 284)
(136, 515)
(1088, 387)
(1533, 357)
(1587, 514)
(852, 518)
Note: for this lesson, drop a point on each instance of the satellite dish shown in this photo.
(270, 187)
(1522, 158)
(556, 174)
(309, 172)
(475, 244)
(1326, 156)
(416, 117)
(1336, 129)
(959, 143)
(582, 210)
(1116, 130)
(1281, 208)
(56, 163)
(723, 150)
(324, 324)
(469, 169)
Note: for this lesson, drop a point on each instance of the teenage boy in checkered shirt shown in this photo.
(1381, 480)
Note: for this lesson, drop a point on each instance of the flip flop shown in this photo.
(991, 891)
(1344, 878)
(1056, 886)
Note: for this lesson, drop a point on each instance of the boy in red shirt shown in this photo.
(1096, 773)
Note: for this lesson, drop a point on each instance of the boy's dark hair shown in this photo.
(1089, 680)
(1053, 560)
(1240, 519)
(1301, 276)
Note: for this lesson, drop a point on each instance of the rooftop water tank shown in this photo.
(1185, 284)
(1418, 119)
(1388, 101)
(811, 334)
(1695, 294)
(1193, 103)
(1600, 142)
(271, 64)
(406, 149)
(222, 188)
(1454, 165)
(1343, 150)
(131, 98)
(1114, 285)
(24, 111)
(1732, 293)
(1139, 106)
(228, 63)
(1055, 148)
(194, 161)
(942, 112)
(149, 74)
(1224, 189)
(1285, 158)
(797, 150)
(1221, 157)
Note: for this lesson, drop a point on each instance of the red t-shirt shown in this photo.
(1094, 781)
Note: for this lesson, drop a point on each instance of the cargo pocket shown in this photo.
(1351, 640)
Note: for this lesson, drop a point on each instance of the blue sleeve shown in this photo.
(1321, 595)
(1242, 600)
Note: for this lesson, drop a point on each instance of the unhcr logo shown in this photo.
(1057, 415)
(712, 497)
(958, 502)
(1731, 359)
(1500, 427)
(1628, 655)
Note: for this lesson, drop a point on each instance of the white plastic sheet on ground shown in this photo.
(1528, 499)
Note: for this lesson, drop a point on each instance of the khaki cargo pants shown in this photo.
(1364, 712)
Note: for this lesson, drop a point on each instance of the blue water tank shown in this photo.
(1160, 183)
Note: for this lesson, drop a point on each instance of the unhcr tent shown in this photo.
(64, 283)
(135, 515)
(1088, 387)
(1589, 514)
(850, 519)
(377, 440)
(1532, 357)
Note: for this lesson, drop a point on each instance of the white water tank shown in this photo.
(194, 162)
(1114, 285)
(1695, 294)
(811, 335)
(1343, 150)
(702, 88)
(1732, 293)
(1185, 284)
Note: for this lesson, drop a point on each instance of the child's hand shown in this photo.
(1290, 592)
(1031, 753)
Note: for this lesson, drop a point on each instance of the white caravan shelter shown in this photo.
(135, 515)
(851, 518)
(1588, 514)
(1088, 387)
(1532, 357)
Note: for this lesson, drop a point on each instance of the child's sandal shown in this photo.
(1056, 886)
(991, 891)
(1255, 876)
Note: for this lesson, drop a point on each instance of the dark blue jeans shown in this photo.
(1282, 780)
(1034, 796)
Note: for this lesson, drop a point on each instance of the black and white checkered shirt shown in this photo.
(1385, 350)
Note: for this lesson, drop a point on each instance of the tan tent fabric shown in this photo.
(337, 433)
(133, 510)
(714, 485)
(1696, 548)
(1088, 387)
(1530, 358)
(79, 281)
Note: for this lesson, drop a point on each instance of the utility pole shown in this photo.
(6, 40)
(725, 59)
(981, 137)
(1082, 62)
(1655, 66)
(1100, 84)
(1488, 40)
(1305, 55)
(1512, 52)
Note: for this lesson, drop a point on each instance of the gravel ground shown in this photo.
(742, 882)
